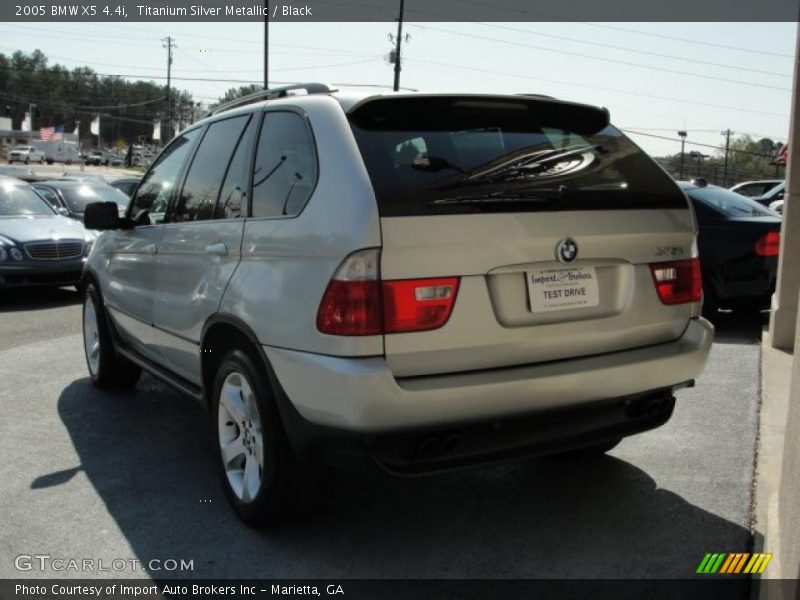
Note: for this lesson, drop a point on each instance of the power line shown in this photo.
(628, 30)
(633, 50)
(583, 85)
(688, 40)
(602, 59)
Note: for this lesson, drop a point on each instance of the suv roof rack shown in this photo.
(278, 92)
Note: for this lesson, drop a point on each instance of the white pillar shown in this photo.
(784, 303)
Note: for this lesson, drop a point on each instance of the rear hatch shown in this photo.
(548, 217)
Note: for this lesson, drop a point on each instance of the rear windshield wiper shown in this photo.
(524, 197)
(528, 164)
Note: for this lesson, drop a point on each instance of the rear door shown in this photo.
(201, 245)
(549, 217)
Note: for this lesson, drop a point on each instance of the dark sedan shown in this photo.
(38, 246)
(738, 244)
(70, 197)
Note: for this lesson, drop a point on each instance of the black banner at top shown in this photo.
(388, 10)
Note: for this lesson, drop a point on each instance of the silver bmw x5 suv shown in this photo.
(420, 281)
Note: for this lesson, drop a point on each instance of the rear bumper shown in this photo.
(361, 395)
(47, 273)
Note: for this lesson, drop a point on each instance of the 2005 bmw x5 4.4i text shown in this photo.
(424, 281)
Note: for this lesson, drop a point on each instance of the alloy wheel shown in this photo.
(241, 437)
(91, 336)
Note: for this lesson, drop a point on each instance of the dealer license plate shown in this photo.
(562, 288)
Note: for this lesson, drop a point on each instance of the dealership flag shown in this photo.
(26, 122)
(156, 130)
(52, 134)
(783, 154)
(94, 126)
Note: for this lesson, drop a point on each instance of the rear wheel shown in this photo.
(106, 368)
(262, 479)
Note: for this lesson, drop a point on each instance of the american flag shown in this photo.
(52, 134)
(783, 155)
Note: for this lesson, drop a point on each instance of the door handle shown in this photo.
(150, 249)
(219, 249)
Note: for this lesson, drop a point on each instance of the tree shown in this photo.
(239, 92)
(63, 97)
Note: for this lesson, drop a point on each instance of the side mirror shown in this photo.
(101, 215)
(62, 210)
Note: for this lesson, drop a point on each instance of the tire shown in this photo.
(107, 369)
(27, 161)
(588, 452)
(260, 474)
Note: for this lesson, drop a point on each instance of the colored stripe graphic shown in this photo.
(733, 563)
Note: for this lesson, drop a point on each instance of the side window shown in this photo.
(285, 171)
(156, 188)
(232, 202)
(198, 196)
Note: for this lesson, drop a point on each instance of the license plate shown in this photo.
(562, 288)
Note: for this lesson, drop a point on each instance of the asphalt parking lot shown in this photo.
(130, 475)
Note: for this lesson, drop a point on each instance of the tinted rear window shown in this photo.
(461, 155)
(729, 203)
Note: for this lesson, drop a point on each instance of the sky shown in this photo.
(656, 78)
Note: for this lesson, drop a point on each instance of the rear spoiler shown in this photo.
(455, 112)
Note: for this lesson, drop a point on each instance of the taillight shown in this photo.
(418, 304)
(678, 281)
(769, 245)
(352, 302)
(357, 302)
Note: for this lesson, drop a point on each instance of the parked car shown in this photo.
(25, 154)
(24, 173)
(126, 185)
(777, 206)
(97, 157)
(773, 195)
(738, 242)
(37, 245)
(70, 197)
(753, 189)
(429, 281)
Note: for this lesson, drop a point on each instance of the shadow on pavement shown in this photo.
(736, 327)
(148, 454)
(37, 298)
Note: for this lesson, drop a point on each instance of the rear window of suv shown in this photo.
(449, 155)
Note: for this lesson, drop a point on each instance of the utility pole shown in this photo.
(169, 44)
(266, 44)
(399, 43)
(683, 145)
(727, 133)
